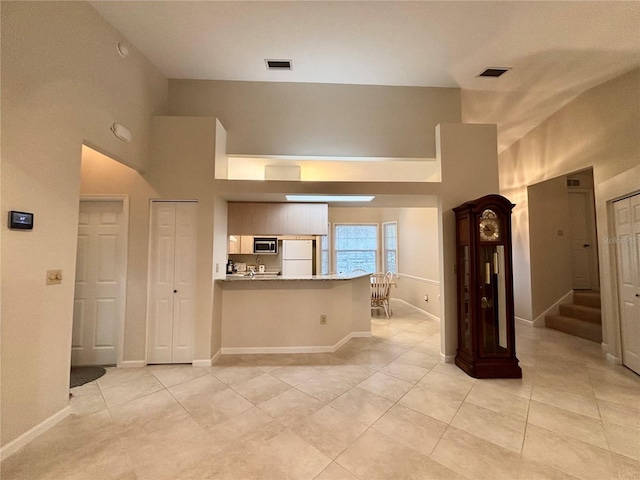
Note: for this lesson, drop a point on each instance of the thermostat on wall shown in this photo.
(20, 220)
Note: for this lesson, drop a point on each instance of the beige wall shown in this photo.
(181, 168)
(550, 252)
(220, 258)
(418, 258)
(469, 158)
(417, 250)
(55, 97)
(264, 118)
(101, 175)
(612, 189)
(598, 129)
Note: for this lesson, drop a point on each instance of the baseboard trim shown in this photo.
(256, 350)
(447, 358)
(132, 364)
(202, 363)
(14, 445)
(612, 359)
(207, 362)
(524, 321)
(308, 349)
(419, 310)
(216, 356)
(553, 309)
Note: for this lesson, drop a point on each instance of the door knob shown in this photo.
(586, 245)
(637, 294)
(175, 291)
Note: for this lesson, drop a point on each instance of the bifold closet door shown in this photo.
(627, 224)
(172, 269)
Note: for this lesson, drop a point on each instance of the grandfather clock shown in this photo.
(486, 333)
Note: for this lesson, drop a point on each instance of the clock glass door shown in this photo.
(464, 308)
(493, 307)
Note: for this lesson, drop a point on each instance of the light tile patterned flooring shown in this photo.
(384, 407)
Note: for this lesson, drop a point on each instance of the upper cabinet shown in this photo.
(277, 218)
(240, 244)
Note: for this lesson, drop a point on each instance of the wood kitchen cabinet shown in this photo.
(246, 244)
(277, 218)
(234, 244)
(242, 244)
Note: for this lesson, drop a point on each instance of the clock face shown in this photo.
(489, 226)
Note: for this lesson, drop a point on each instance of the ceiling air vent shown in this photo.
(494, 72)
(279, 64)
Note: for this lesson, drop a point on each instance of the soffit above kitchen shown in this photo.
(554, 50)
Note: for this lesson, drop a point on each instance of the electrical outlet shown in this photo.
(323, 319)
(217, 267)
(54, 277)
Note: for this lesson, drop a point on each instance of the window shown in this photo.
(356, 247)
(324, 253)
(390, 247)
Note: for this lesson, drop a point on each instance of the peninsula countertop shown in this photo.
(279, 278)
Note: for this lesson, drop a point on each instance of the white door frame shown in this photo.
(124, 199)
(613, 345)
(613, 262)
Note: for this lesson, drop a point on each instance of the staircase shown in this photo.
(582, 318)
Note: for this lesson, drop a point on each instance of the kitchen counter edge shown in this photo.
(280, 278)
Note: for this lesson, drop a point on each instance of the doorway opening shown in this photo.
(565, 284)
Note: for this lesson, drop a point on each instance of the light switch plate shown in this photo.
(54, 277)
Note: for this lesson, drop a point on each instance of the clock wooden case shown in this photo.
(486, 331)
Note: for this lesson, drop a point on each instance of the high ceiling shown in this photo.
(555, 49)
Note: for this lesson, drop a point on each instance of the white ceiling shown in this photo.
(556, 49)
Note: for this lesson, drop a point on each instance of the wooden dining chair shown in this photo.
(380, 284)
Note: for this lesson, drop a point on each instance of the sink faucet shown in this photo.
(252, 273)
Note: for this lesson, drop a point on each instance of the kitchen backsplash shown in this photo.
(271, 262)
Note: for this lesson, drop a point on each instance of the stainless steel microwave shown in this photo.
(264, 245)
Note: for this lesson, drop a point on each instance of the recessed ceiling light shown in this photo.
(278, 64)
(330, 198)
(494, 72)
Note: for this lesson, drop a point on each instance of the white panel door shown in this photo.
(627, 225)
(582, 244)
(98, 312)
(184, 282)
(161, 266)
(171, 282)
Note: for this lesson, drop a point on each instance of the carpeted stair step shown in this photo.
(581, 312)
(579, 328)
(588, 298)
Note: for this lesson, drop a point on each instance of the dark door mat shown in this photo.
(82, 375)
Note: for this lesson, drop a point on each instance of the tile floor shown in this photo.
(384, 407)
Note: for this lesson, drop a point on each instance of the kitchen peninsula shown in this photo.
(276, 314)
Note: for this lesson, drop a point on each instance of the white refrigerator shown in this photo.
(297, 257)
